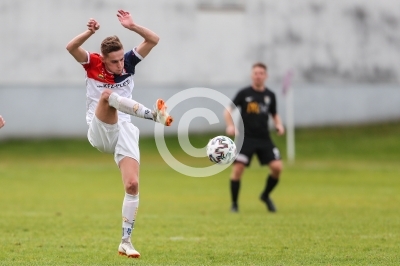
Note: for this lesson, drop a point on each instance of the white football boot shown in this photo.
(126, 249)
(160, 113)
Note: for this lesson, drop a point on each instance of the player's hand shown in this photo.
(93, 25)
(125, 18)
(2, 122)
(231, 131)
(280, 130)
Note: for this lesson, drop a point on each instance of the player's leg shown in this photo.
(104, 112)
(270, 155)
(130, 178)
(242, 160)
(127, 157)
(236, 175)
(137, 109)
(273, 178)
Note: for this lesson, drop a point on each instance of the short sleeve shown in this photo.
(238, 99)
(93, 60)
(132, 58)
(272, 108)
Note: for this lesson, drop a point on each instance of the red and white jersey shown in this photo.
(98, 79)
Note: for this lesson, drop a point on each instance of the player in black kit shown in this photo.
(256, 103)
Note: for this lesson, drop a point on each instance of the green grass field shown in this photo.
(339, 204)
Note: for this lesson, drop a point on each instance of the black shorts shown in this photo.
(265, 150)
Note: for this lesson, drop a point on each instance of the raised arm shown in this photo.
(74, 46)
(150, 38)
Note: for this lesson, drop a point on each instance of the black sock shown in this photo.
(270, 185)
(235, 186)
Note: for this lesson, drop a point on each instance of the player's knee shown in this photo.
(105, 94)
(132, 187)
(276, 168)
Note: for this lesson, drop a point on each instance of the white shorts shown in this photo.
(121, 139)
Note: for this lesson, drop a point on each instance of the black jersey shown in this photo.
(255, 109)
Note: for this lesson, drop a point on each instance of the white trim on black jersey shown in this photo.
(137, 54)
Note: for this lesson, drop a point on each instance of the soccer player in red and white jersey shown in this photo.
(109, 84)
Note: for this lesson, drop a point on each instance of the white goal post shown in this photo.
(290, 135)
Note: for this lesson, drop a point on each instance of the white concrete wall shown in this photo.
(340, 51)
(337, 41)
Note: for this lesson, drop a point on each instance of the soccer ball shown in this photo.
(221, 150)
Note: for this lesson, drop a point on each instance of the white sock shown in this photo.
(129, 106)
(130, 207)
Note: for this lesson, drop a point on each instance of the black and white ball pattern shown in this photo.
(221, 150)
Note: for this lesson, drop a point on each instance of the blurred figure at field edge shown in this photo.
(256, 103)
(2, 121)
